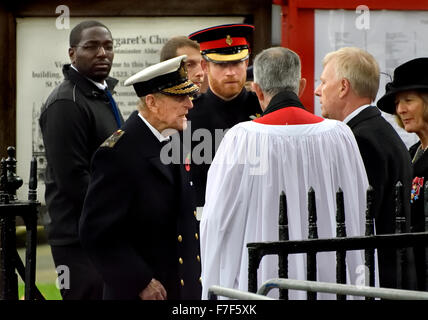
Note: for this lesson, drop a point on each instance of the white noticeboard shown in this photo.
(42, 49)
(392, 37)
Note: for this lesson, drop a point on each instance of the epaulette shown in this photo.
(113, 139)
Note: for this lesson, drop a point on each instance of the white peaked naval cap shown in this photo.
(167, 77)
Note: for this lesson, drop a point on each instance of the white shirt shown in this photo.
(157, 134)
(354, 113)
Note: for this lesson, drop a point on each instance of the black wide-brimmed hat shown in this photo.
(224, 43)
(411, 75)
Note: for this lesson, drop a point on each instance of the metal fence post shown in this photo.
(340, 233)
(31, 228)
(370, 253)
(312, 234)
(253, 265)
(400, 227)
(9, 180)
(10, 208)
(283, 236)
(13, 182)
(8, 277)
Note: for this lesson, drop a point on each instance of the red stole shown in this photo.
(289, 116)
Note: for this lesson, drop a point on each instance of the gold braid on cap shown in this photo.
(184, 88)
(182, 70)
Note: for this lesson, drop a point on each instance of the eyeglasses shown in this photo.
(95, 48)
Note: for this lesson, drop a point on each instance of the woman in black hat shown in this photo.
(406, 98)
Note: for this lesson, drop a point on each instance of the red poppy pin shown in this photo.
(416, 188)
(187, 162)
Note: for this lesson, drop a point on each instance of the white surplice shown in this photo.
(253, 164)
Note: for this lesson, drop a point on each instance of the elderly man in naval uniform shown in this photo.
(138, 224)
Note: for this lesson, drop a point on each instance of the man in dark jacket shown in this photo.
(138, 223)
(225, 50)
(77, 117)
(349, 84)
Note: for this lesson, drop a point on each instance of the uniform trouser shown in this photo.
(78, 279)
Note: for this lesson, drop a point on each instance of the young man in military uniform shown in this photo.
(138, 224)
(225, 50)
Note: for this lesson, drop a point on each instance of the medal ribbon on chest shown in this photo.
(417, 184)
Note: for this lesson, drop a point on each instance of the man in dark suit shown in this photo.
(349, 84)
(138, 223)
(77, 117)
(225, 51)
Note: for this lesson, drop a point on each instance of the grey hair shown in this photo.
(277, 69)
(359, 67)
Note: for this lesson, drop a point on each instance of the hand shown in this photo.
(153, 291)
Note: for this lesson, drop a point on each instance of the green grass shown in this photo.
(48, 290)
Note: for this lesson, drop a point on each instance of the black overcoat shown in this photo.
(387, 161)
(420, 176)
(76, 118)
(138, 220)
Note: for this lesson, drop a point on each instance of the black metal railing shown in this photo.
(10, 208)
(340, 244)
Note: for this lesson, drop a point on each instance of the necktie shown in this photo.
(114, 108)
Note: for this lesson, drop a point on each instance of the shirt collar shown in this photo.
(354, 113)
(283, 99)
(101, 86)
(157, 134)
